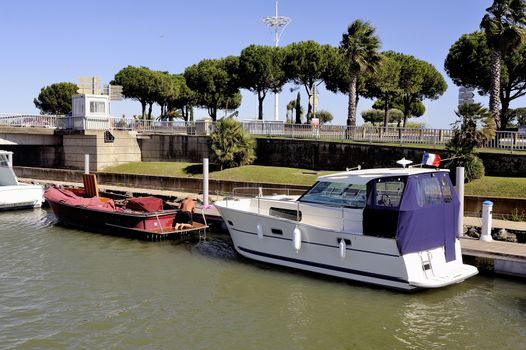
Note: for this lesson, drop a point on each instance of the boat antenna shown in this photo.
(404, 162)
(358, 167)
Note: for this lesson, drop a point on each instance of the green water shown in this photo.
(67, 289)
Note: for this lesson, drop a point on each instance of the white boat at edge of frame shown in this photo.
(15, 195)
(390, 227)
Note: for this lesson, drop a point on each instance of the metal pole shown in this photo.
(276, 44)
(205, 182)
(86, 164)
(460, 193)
(487, 211)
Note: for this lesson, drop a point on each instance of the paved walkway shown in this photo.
(493, 249)
(505, 224)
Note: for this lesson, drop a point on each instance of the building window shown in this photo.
(97, 107)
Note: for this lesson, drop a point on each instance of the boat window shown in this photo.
(289, 214)
(446, 189)
(389, 192)
(3, 161)
(337, 193)
(429, 191)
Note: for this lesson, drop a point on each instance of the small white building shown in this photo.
(90, 112)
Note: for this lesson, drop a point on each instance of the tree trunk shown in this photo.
(143, 106)
(386, 113)
(150, 106)
(309, 105)
(260, 105)
(351, 113)
(494, 101)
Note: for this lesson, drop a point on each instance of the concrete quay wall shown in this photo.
(123, 149)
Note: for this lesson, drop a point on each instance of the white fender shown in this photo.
(297, 238)
(343, 248)
(259, 229)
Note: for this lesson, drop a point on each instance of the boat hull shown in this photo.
(360, 258)
(147, 226)
(20, 196)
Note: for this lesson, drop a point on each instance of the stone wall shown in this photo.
(327, 155)
(39, 156)
(177, 148)
(123, 149)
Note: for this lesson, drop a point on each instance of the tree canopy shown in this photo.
(504, 27)
(56, 98)
(468, 64)
(305, 63)
(261, 71)
(138, 83)
(377, 116)
(419, 80)
(384, 84)
(215, 83)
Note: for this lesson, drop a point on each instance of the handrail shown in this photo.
(258, 189)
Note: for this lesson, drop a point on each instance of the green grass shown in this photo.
(249, 173)
(511, 187)
(487, 186)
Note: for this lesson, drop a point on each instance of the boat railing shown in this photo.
(252, 191)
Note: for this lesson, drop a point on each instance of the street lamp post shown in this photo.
(277, 24)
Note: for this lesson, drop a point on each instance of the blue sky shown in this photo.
(44, 42)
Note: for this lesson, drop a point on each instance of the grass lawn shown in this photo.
(512, 187)
(249, 173)
(487, 186)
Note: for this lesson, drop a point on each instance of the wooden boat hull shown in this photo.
(152, 226)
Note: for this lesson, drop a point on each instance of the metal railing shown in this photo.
(30, 120)
(505, 140)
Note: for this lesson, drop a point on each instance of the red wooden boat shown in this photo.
(139, 217)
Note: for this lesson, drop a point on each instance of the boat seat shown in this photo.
(90, 185)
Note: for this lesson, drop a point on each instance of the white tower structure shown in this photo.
(277, 24)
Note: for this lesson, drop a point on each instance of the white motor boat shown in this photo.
(15, 195)
(390, 227)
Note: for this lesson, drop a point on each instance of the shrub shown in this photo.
(466, 137)
(232, 145)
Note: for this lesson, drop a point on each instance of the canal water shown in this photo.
(67, 289)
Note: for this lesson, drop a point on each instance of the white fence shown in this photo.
(505, 140)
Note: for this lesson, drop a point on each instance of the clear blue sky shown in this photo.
(44, 42)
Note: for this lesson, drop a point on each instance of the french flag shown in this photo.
(431, 159)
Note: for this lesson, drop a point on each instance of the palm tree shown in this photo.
(359, 47)
(503, 25)
(290, 108)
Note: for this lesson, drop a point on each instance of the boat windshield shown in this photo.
(336, 193)
(4, 161)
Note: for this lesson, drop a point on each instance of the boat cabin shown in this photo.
(416, 206)
(7, 176)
